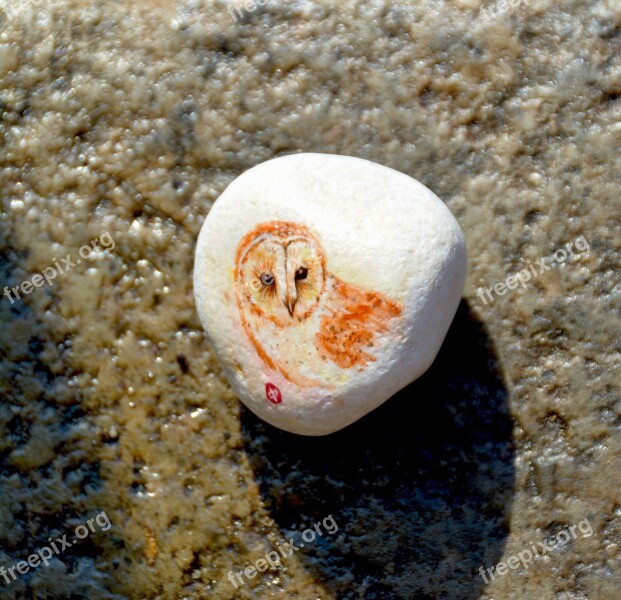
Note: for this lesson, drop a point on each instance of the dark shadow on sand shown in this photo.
(421, 488)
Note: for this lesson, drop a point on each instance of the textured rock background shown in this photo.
(133, 119)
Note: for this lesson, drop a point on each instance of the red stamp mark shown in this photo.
(273, 393)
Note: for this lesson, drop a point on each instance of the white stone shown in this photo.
(325, 285)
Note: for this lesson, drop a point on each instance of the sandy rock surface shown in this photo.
(130, 119)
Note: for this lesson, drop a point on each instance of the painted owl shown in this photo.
(303, 322)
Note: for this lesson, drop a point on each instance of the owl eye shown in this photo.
(267, 279)
(301, 273)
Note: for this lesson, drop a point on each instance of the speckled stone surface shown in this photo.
(132, 120)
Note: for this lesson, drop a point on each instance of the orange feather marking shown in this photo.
(346, 334)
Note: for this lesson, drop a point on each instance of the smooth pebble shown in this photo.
(326, 284)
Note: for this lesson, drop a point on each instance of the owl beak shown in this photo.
(290, 304)
(290, 292)
(286, 296)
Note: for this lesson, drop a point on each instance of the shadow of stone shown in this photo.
(420, 489)
(48, 480)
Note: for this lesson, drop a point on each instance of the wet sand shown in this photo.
(132, 120)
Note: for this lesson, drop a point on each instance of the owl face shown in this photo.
(280, 272)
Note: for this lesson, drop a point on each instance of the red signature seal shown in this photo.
(273, 393)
